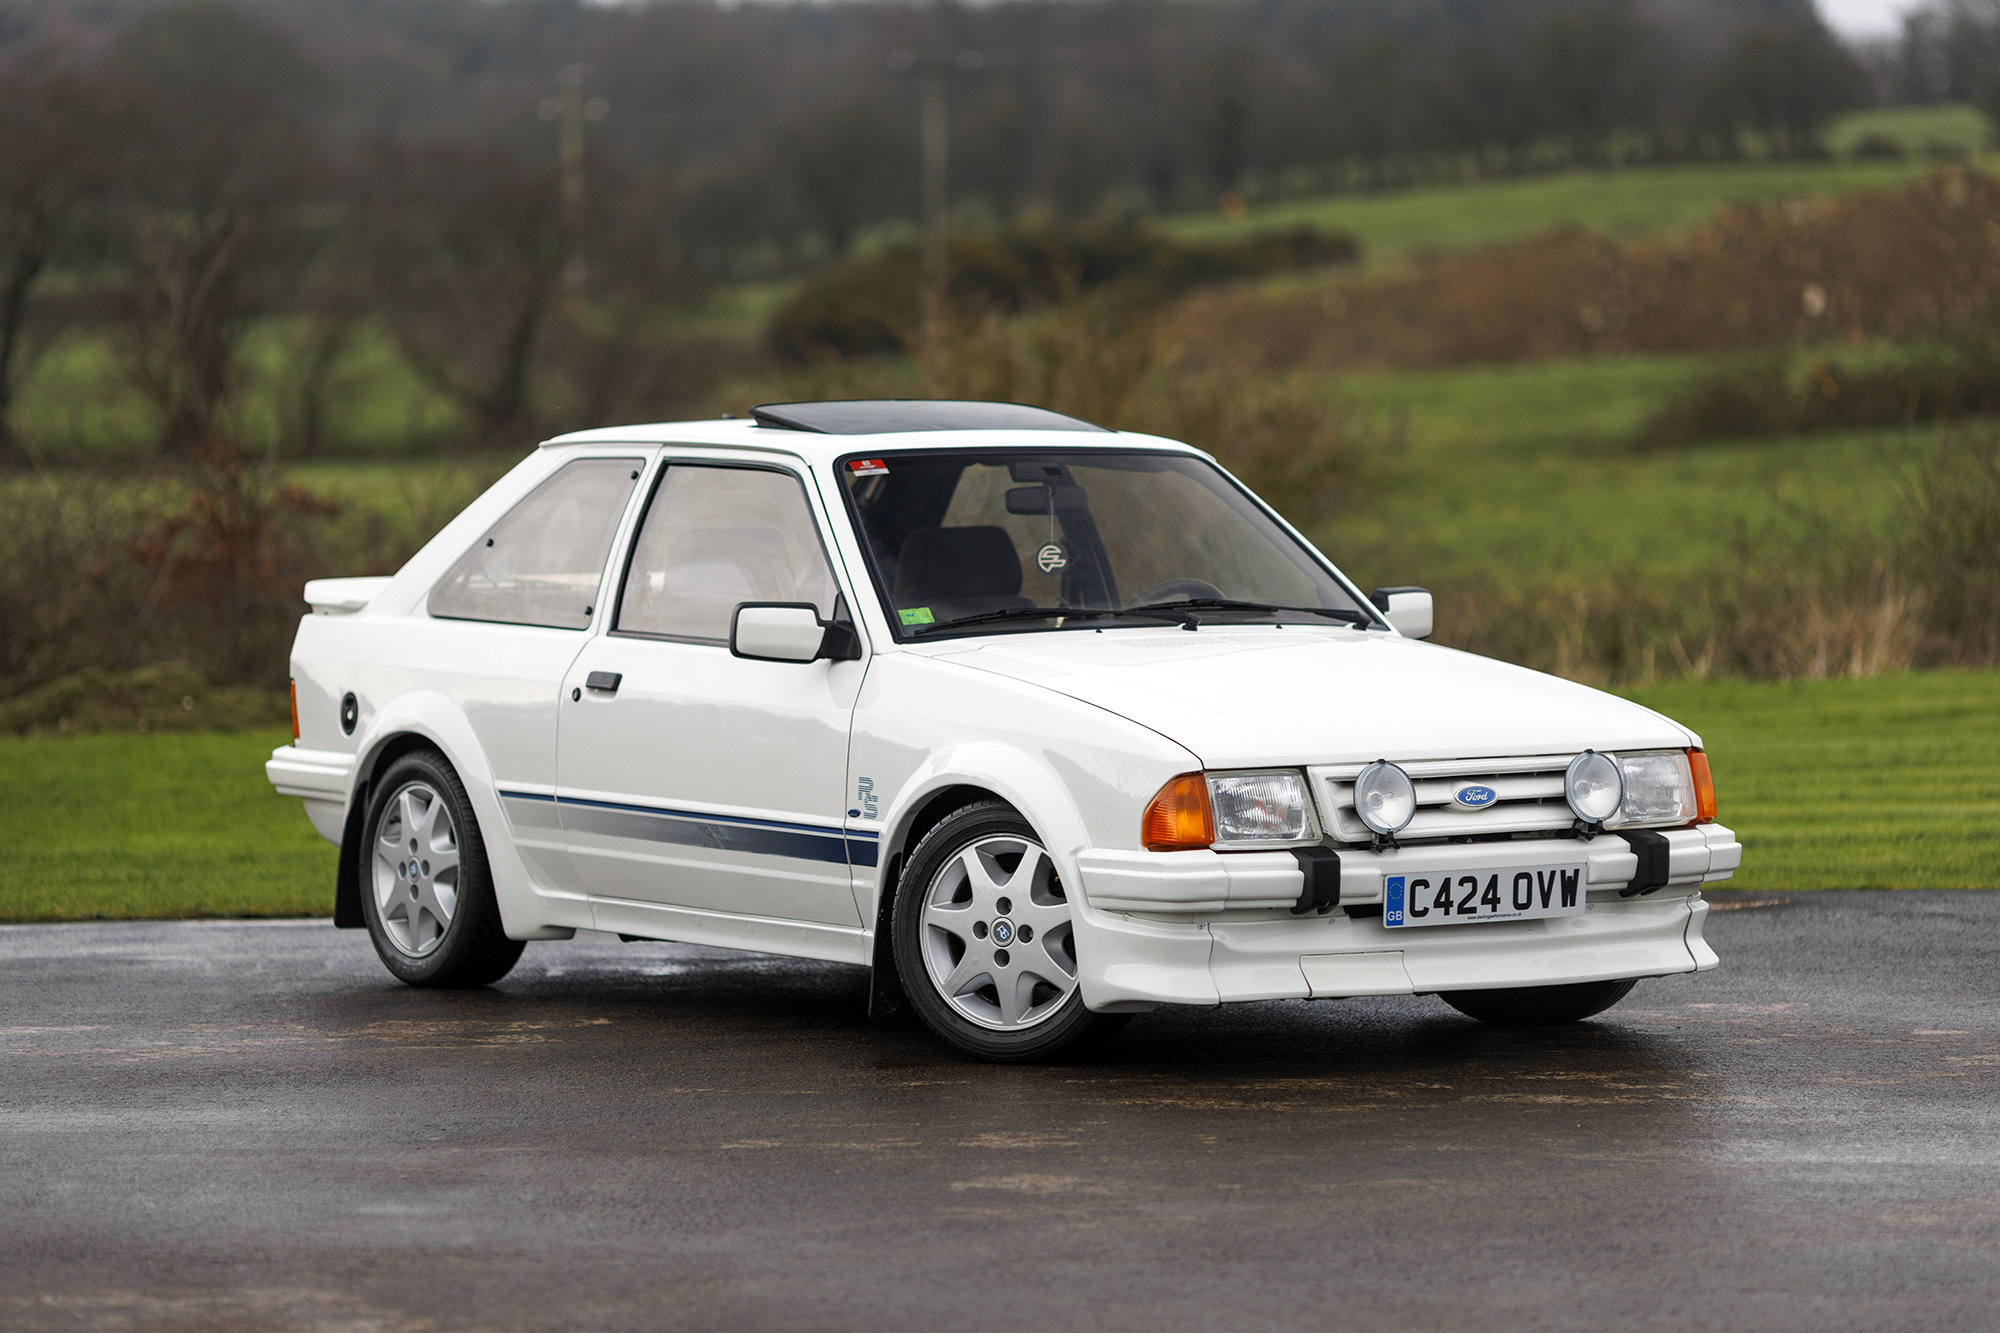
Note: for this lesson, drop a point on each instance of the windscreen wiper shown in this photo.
(1231, 604)
(1046, 613)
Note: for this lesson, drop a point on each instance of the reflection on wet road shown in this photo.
(251, 1126)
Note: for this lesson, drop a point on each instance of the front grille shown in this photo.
(1529, 798)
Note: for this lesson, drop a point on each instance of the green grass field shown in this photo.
(119, 827)
(1953, 126)
(1637, 201)
(1884, 783)
(1854, 784)
(1518, 472)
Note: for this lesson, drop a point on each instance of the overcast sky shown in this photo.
(1866, 18)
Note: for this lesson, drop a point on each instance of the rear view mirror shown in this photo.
(1408, 610)
(1035, 499)
(789, 632)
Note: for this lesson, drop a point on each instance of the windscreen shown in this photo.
(974, 542)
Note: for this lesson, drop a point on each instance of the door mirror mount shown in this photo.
(790, 632)
(1408, 610)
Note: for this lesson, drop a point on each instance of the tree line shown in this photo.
(172, 173)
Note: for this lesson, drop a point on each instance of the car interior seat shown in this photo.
(959, 571)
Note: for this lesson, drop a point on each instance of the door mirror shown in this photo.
(1408, 610)
(789, 632)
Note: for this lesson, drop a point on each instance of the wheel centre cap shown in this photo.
(1003, 931)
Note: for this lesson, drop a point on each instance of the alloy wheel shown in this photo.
(415, 869)
(997, 938)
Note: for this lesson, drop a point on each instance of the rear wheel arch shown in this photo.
(430, 903)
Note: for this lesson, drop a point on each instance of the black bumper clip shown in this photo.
(1320, 867)
(1651, 849)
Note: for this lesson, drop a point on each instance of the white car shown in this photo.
(1046, 724)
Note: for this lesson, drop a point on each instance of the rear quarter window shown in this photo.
(542, 562)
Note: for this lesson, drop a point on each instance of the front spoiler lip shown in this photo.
(1133, 962)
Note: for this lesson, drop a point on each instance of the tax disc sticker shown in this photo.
(867, 467)
(1051, 558)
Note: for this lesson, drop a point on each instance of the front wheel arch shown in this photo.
(886, 997)
(1052, 1028)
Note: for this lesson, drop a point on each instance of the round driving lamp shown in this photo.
(1594, 786)
(1384, 797)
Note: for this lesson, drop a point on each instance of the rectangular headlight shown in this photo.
(1659, 789)
(1261, 807)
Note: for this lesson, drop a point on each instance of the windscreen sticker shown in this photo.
(916, 615)
(867, 467)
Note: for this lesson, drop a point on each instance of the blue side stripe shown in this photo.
(736, 833)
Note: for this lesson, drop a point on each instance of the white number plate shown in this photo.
(1447, 899)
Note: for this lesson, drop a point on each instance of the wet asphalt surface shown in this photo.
(240, 1125)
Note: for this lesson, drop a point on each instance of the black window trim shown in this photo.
(1306, 548)
(665, 464)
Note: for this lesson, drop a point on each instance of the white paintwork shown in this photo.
(756, 803)
(779, 633)
(1410, 613)
(1364, 972)
(757, 747)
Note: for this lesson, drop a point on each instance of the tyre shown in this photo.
(1538, 1006)
(426, 891)
(984, 944)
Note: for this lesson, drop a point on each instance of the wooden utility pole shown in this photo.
(569, 155)
(570, 110)
(934, 139)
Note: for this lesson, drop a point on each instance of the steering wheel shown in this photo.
(1174, 590)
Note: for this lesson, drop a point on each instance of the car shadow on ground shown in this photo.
(677, 1003)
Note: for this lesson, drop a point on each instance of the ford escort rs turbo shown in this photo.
(1046, 724)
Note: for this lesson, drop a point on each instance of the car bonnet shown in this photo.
(1253, 695)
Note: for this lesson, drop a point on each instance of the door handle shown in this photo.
(603, 680)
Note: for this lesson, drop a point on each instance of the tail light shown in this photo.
(295, 712)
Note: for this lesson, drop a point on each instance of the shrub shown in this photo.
(873, 304)
(1949, 545)
(168, 696)
(1939, 382)
(200, 566)
(1924, 592)
(1868, 267)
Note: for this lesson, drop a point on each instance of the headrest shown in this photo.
(957, 564)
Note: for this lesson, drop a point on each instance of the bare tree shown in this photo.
(51, 158)
(1785, 78)
(469, 249)
(210, 113)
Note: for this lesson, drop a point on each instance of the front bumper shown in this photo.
(1213, 928)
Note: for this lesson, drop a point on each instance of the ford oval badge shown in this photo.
(1474, 798)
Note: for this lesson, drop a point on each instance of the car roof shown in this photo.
(817, 448)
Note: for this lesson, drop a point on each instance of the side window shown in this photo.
(716, 536)
(540, 564)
